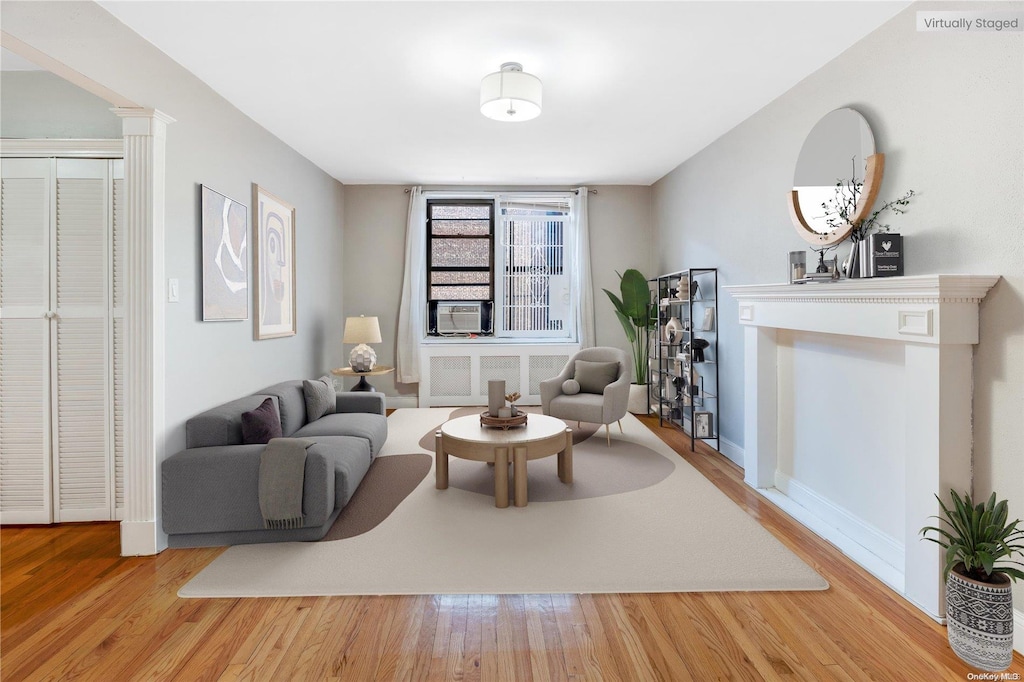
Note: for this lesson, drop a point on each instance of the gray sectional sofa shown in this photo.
(210, 489)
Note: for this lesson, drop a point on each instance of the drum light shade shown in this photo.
(510, 94)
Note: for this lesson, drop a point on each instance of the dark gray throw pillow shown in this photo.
(320, 397)
(262, 424)
(594, 376)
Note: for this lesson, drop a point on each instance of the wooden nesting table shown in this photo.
(465, 438)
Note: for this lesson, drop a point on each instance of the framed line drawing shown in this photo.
(703, 426)
(225, 235)
(274, 277)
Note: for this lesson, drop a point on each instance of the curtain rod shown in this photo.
(523, 191)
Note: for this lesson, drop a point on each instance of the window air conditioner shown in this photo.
(459, 318)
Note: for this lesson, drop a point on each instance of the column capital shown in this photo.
(143, 121)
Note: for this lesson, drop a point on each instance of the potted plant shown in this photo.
(979, 604)
(634, 312)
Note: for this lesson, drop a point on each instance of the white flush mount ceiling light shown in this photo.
(510, 94)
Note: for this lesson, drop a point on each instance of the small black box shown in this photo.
(885, 255)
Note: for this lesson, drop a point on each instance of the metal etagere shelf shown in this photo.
(684, 353)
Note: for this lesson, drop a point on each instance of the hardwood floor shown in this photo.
(71, 608)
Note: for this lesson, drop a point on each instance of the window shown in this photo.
(500, 265)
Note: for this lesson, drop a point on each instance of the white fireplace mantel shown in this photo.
(935, 319)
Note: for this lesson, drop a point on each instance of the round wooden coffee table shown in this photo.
(465, 438)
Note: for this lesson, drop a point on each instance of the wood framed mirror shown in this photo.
(839, 149)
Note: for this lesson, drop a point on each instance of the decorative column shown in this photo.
(145, 138)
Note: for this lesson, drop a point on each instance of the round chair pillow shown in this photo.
(570, 387)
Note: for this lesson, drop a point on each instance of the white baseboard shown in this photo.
(1018, 631)
(394, 402)
(870, 561)
(733, 452)
(882, 545)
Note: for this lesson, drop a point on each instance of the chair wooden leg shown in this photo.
(620, 426)
(608, 434)
(579, 424)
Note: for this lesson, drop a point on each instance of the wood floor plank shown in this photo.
(71, 608)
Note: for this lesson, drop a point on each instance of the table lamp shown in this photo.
(362, 330)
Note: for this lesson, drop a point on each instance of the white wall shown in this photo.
(375, 217)
(38, 104)
(211, 143)
(947, 110)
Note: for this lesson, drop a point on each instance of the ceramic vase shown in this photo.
(979, 621)
(673, 330)
(495, 396)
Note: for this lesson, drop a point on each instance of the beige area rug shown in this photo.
(680, 534)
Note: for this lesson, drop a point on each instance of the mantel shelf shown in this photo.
(930, 309)
(915, 289)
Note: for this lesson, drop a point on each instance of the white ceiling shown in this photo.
(388, 92)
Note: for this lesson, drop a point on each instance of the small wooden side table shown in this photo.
(363, 384)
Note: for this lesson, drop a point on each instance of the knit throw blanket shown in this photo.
(282, 470)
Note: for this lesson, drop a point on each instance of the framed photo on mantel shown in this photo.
(274, 243)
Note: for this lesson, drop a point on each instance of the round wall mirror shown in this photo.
(839, 149)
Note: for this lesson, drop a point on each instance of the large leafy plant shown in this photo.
(979, 536)
(633, 309)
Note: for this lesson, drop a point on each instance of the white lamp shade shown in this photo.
(510, 94)
(362, 330)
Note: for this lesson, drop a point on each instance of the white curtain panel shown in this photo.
(581, 274)
(414, 294)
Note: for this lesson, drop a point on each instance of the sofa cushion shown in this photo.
(584, 407)
(320, 397)
(291, 404)
(570, 387)
(594, 376)
(261, 424)
(351, 458)
(221, 425)
(371, 427)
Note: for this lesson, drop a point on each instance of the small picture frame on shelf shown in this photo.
(703, 424)
(709, 320)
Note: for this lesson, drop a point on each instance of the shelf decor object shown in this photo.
(684, 397)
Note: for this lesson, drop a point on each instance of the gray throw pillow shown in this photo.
(320, 397)
(570, 387)
(261, 424)
(594, 376)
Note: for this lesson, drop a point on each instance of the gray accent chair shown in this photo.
(589, 407)
(210, 490)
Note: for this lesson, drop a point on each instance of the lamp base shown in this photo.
(362, 358)
(363, 385)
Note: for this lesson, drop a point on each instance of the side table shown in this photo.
(363, 384)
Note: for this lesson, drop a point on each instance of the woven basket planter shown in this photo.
(979, 621)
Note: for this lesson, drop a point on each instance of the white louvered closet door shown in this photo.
(25, 259)
(80, 357)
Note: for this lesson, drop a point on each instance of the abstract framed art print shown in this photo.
(225, 227)
(274, 232)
